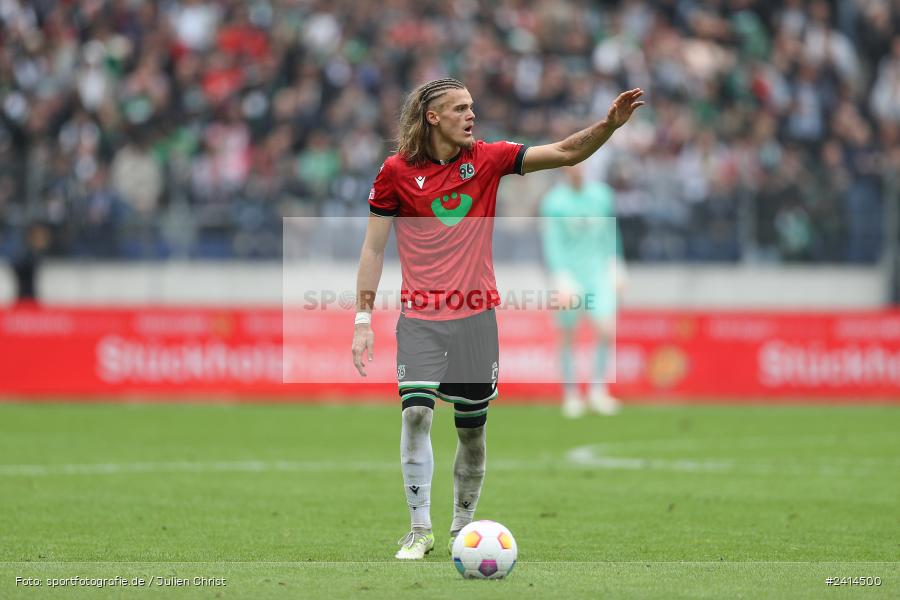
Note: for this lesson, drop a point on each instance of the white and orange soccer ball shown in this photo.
(484, 550)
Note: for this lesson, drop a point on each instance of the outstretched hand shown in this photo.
(623, 106)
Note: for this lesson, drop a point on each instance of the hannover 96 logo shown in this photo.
(451, 216)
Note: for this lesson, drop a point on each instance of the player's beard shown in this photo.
(462, 141)
(467, 142)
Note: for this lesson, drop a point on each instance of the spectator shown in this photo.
(102, 212)
(136, 176)
(886, 91)
(239, 111)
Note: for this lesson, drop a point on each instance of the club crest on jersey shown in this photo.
(401, 371)
(451, 216)
(466, 171)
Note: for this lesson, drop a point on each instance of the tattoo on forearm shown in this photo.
(585, 142)
(578, 141)
(585, 137)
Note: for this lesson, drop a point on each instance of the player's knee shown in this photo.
(418, 417)
(470, 436)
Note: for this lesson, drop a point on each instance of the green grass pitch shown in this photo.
(297, 501)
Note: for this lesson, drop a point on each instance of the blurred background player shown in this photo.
(583, 253)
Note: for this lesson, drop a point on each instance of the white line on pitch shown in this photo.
(36, 565)
(249, 466)
(599, 456)
(593, 456)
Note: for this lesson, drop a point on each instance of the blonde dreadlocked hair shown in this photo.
(412, 137)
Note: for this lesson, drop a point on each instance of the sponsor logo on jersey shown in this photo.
(451, 216)
(420, 181)
(467, 171)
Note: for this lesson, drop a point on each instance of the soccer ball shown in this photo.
(484, 550)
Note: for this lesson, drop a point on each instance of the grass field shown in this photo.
(288, 501)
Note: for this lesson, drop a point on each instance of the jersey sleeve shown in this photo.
(383, 199)
(507, 157)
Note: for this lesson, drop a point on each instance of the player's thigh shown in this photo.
(421, 360)
(473, 370)
(474, 351)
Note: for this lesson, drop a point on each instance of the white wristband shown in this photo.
(362, 317)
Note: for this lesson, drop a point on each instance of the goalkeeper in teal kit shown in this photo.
(584, 257)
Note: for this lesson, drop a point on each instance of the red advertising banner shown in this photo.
(171, 353)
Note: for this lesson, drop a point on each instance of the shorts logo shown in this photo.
(451, 216)
(467, 171)
(401, 371)
(495, 370)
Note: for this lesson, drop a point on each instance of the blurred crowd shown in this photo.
(189, 128)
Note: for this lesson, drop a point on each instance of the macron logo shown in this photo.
(420, 180)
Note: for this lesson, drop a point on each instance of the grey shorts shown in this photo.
(456, 361)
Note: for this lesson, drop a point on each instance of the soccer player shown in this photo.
(440, 192)
(584, 257)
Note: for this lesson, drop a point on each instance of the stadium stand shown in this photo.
(134, 129)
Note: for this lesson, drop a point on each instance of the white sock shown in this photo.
(598, 388)
(468, 475)
(603, 368)
(417, 464)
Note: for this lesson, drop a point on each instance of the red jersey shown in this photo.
(445, 227)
